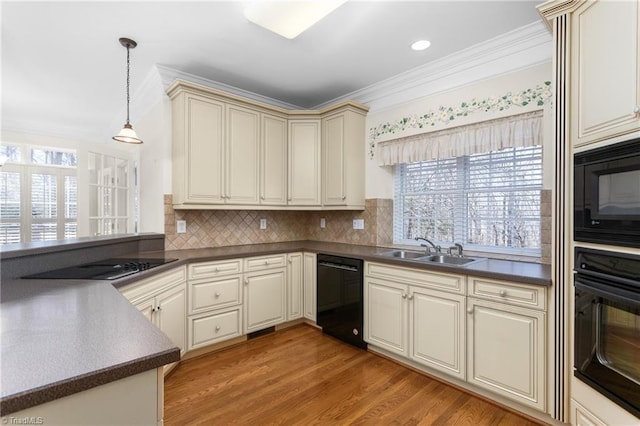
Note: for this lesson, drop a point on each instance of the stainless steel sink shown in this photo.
(403, 254)
(449, 260)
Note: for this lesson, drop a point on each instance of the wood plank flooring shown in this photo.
(298, 376)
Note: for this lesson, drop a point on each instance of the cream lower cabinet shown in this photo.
(215, 302)
(506, 340)
(162, 299)
(309, 284)
(423, 324)
(295, 289)
(265, 292)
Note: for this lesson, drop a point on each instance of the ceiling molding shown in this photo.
(554, 8)
(519, 49)
(169, 75)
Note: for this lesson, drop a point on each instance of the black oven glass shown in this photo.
(607, 325)
(607, 195)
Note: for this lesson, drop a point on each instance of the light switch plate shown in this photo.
(358, 223)
(263, 223)
(323, 222)
(181, 226)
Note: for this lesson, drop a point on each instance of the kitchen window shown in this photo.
(487, 202)
(38, 194)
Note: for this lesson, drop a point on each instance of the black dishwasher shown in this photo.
(339, 298)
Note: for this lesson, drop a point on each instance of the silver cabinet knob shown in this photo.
(290, 261)
(216, 270)
(411, 297)
(246, 281)
(404, 295)
(344, 197)
(266, 263)
(502, 293)
(469, 310)
(636, 110)
(217, 328)
(262, 198)
(217, 294)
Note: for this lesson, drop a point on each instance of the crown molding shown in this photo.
(518, 49)
(554, 8)
(169, 75)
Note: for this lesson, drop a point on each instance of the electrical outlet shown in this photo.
(181, 226)
(358, 223)
(263, 223)
(323, 223)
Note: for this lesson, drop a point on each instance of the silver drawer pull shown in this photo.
(217, 328)
(502, 293)
(217, 295)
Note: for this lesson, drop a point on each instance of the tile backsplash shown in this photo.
(216, 228)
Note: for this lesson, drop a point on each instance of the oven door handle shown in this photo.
(337, 266)
(608, 291)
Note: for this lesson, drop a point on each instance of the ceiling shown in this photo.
(63, 68)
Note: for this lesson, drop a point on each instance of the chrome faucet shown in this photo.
(457, 247)
(435, 247)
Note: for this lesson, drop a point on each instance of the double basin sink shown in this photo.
(441, 258)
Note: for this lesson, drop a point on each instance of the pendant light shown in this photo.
(127, 134)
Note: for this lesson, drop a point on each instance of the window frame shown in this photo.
(462, 189)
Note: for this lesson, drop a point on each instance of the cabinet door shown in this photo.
(333, 172)
(264, 299)
(605, 72)
(437, 330)
(242, 155)
(204, 141)
(171, 315)
(385, 315)
(294, 286)
(304, 162)
(310, 280)
(273, 184)
(147, 307)
(506, 351)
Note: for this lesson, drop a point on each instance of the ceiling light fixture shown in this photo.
(421, 45)
(127, 134)
(289, 18)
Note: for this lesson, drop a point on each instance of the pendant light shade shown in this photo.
(127, 134)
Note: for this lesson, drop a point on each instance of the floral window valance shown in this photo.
(513, 131)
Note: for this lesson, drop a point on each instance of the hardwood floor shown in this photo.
(300, 376)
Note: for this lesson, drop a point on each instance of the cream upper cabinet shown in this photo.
(273, 157)
(242, 152)
(198, 149)
(605, 70)
(343, 141)
(304, 162)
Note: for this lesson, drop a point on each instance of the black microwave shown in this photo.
(607, 194)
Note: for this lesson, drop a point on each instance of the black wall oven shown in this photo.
(607, 325)
(607, 194)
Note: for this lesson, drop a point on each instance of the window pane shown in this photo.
(94, 227)
(56, 158)
(108, 171)
(44, 196)
(9, 233)
(70, 197)
(122, 172)
(10, 195)
(70, 230)
(122, 226)
(11, 153)
(108, 202)
(44, 231)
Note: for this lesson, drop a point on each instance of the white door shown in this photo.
(437, 330)
(265, 299)
(385, 320)
(506, 351)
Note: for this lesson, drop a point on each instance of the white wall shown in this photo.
(379, 180)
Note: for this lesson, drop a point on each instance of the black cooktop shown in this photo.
(108, 269)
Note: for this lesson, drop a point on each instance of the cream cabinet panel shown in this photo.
(605, 70)
(198, 156)
(386, 316)
(580, 416)
(213, 327)
(310, 284)
(304, 162)
(147, 307)
(214, 269)
(273, 186)
(343, 146)
(171, 315)
(264, 299)
(242, 166)
(205, 295)
(437, 330)
(506, 351)
(295, 290)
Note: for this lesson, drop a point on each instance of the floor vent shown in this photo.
(261, 333)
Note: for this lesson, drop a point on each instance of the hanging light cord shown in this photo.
(128, 84)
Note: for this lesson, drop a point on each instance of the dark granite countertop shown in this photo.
(60, 337)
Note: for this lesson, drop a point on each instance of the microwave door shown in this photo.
(615, 194)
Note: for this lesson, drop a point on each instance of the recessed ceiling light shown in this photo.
(289, 18)
(421, 45)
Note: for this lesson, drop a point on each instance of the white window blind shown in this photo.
(480, 200)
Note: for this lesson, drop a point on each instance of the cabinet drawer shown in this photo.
(508, 292)
(205, 295)
(151, 286)
(265, 262)
(420, 277)
(206, 329)
(215, 269)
